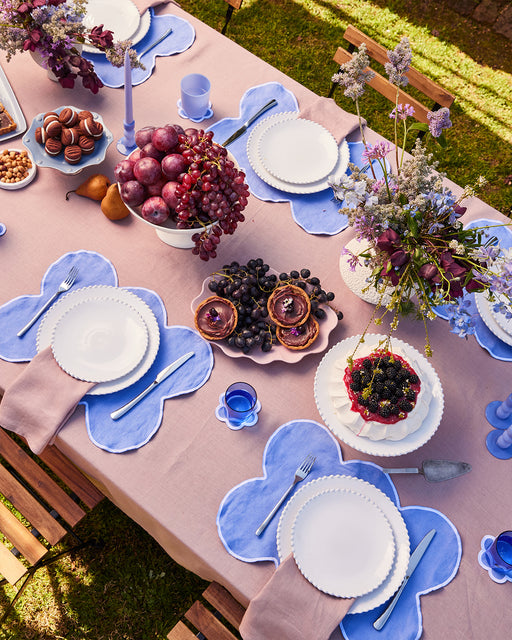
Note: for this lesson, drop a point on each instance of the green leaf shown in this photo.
(418, 126)
(413, 226)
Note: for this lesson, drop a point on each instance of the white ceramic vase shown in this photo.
(359, 280)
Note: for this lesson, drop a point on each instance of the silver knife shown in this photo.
(248, 123)
(414, 560)
(165, 373)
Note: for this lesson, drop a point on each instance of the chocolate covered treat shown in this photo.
(86, 144)
(69, 136)
(300, 337)
(53, 129)
(289, 306)
(68, 117)
(215, 318)
(53, 146)
(73, 154)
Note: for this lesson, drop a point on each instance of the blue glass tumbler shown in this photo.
(240, 399)
(499, 553)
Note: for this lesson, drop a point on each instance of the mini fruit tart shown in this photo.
(300, 337)
(289, 306)
(215, 318)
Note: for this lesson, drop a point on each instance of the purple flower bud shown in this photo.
(388, 241)
(399, 258)
(428, 271)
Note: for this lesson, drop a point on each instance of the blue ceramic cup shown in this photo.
(499, 553)
(240, 400)
(195, 95)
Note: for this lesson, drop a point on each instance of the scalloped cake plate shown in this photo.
(100, 292)
(343, 543)
(484, 309)
(338, 170)
(327, 410)
(119, 16)
(393, 579)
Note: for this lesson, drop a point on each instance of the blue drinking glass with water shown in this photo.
(240, 400)
(500, 553)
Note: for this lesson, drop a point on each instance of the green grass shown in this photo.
(130, 589)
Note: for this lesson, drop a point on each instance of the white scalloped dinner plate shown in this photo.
(503, 322)
(387, 588)
(339, 169)
(100, 292)
(325, 406)
(298, 151)
(120, 16)
(278, 352)
(99, 340)
(343, 543)
(484, 309)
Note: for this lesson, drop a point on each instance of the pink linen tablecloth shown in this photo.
(173, 486)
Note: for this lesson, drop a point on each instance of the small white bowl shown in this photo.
(168, 232)
(22, 183)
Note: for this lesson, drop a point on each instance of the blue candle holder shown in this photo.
(238, 406)
(499, 441)
(127, 143)
(489, 559)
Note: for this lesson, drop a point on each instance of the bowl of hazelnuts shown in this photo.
(17, 168)
(68, 139)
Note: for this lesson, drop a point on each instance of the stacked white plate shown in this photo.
(101, 334)
(348, 539)
(119, 16)
(495, 321)
(296, 155)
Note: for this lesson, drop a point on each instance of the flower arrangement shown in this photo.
(55, 29)
(418, 250)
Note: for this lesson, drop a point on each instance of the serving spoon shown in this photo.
(435, 470)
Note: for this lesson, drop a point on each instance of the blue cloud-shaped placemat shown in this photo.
(245, 506)
(484, 336)
(137, 426)
(316, 213)
(93, 268)
(181, 39)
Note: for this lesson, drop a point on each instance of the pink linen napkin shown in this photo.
(40, 400)
(327, 113)
(144, 5)
(289, 607)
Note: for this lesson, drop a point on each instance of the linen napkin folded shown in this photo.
(327, 113)
(40, 400)
(272, 614)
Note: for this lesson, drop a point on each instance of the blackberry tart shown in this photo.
(382, 396)
(289, 306)
(300, 337)
(215, 318)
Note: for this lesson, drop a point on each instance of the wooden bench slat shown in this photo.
(224, 603)
(181, 632)
(236, 4)
(207, 623)
(388, 90)
(19, 535)
(417, 79)
(10, 567)
(88, 493)
(37, 478)
(30, 508)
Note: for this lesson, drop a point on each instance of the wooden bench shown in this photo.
(439, 96)
(52, 503)
(232, 6)
(212, 625)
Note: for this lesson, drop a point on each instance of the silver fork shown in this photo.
(300, 474)
(64, 286)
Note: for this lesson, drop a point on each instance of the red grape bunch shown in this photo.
(185, 176)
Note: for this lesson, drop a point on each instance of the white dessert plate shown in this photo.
(314, 186)
(26, 181)
(387, 588)
(326, 408)
(100, 292)
(298, 151)
(99, 340)
(504, 322)
(119, 16)
(490, 318)
(278, 353)
(343, 543)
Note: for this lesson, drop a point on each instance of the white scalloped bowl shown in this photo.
(10, 186)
